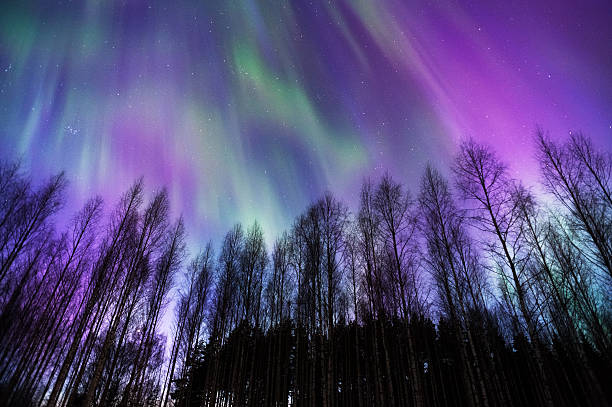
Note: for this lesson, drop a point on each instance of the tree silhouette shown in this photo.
(478, 292)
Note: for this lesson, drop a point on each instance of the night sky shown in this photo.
(251, 109)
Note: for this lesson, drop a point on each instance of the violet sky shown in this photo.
(251, 109)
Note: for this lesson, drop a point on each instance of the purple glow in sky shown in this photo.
(251, 109)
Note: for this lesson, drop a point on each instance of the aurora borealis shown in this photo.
(250, 109)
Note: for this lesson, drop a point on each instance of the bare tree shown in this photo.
(148, 238)
(377, 288)
(333, 222)
(27, 216)
(44, 305)
(398, 226)
(161, 283)
(280, 284)
(579, 178)
(253, 261)
(100, 284)
(457, 280)
(482, 179)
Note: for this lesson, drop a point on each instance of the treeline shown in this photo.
(474, 291)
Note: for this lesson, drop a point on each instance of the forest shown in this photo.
(474, 290)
